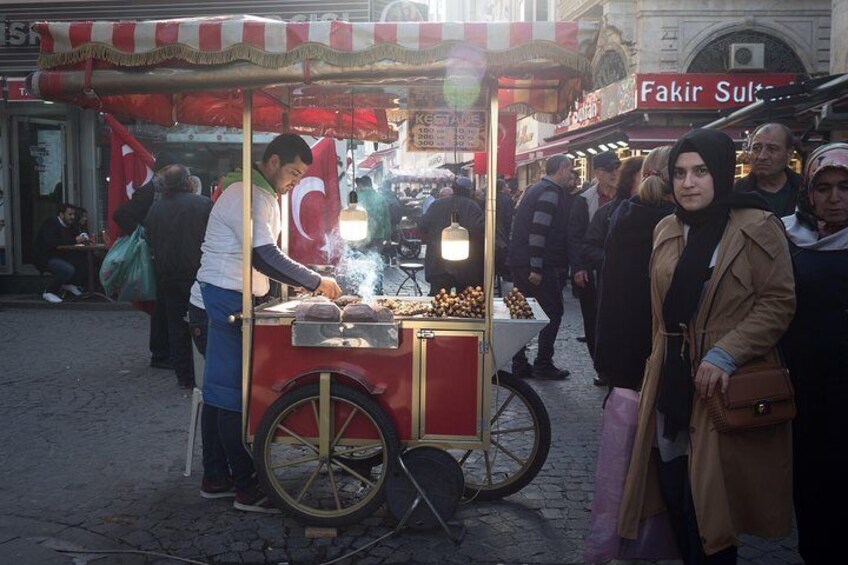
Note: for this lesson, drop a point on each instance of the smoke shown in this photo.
(361, 272)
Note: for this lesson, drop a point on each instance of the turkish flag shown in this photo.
(314, 211)
(506, 148)
(131, 167)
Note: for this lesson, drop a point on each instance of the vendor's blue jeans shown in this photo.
(223, 449)
(63, 271)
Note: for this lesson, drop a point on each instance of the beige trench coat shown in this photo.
(741, 482)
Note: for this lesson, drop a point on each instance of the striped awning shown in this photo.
(151, 69)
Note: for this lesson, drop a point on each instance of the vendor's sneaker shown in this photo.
(254, 500)
(73, 289)
(221, 488)
(51, 298)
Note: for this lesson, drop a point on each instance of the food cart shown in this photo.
(331, 408)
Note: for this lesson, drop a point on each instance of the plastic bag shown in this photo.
(127, 269)
(655, 539)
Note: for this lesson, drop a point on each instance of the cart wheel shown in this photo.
(521, 438)
(409, 249)
(326, 491)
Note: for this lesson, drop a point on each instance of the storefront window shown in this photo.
(39, 152)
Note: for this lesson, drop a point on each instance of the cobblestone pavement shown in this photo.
(92, 445)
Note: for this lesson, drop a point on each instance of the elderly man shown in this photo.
(770, 149)
(588, 202)
(175, 226)
(538, 257)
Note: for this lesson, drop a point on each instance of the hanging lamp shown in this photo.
(455, 242)
(353, 220)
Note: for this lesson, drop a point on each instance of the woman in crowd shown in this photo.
(720, 274)
(816, 348)
(623, 335)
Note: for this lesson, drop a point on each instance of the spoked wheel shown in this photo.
(330, 482)
(521, 438)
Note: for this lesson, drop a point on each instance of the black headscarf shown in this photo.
(706, 226)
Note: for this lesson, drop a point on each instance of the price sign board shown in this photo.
(463, 131)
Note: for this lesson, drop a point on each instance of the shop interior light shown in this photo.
(592, 150)
(604, 147)
(622, 144)
(570, 155)
(353, 220)
(455, 242)
(581, 153)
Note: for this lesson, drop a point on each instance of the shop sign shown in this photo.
(670, 91)
(17, 92)
(703, 91)
(463, 131)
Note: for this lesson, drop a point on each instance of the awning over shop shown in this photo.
(650, 137)
(441, 176)
(135, 68)
(574, 143)
(375, 158)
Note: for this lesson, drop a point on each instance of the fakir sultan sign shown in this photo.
(670, 91)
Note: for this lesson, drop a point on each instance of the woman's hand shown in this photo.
(708, 377)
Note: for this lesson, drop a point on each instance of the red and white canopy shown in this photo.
(187, 70)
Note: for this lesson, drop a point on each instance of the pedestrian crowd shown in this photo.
(685, 279)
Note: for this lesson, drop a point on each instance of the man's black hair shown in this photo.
(555, 163)
(288, 147)
(64, 206)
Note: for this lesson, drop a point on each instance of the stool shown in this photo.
(196, 404)
(411, 270)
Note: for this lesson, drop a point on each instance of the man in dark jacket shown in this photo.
(175, 227)
(770, 177)
(538, 257)
(439, 272)
(59, 230)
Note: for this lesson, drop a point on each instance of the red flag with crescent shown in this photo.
(130, 167)
(506, 148)
(314, 210)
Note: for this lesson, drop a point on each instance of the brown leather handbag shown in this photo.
(758, 394)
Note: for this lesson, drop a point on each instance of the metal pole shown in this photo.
(246, 255)
(489, 258)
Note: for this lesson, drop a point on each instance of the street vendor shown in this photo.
(227, 466)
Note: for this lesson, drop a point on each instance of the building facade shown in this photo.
(662, 67)
(53, 153)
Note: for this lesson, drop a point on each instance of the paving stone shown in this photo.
(95, 439)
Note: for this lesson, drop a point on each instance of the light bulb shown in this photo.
(455, 242)
(353, 221)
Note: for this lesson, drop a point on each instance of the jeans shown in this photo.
(174, 298)
(677, 493)
(549, 296)
(224, 454)
(63, 273)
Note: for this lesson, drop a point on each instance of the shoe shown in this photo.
(51, 298)
(600, 381)
(550, 373)
(160, 363)
(525, 372)
(582, 339)
(73, 289)
(254, 500)
(221, 488)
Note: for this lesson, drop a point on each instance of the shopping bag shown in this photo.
(655, 539)
(127, 269)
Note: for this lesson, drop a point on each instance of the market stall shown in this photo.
(333, 406)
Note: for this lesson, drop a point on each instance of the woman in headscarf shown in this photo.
(816, 348)
(623, 335)
(720, 273)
